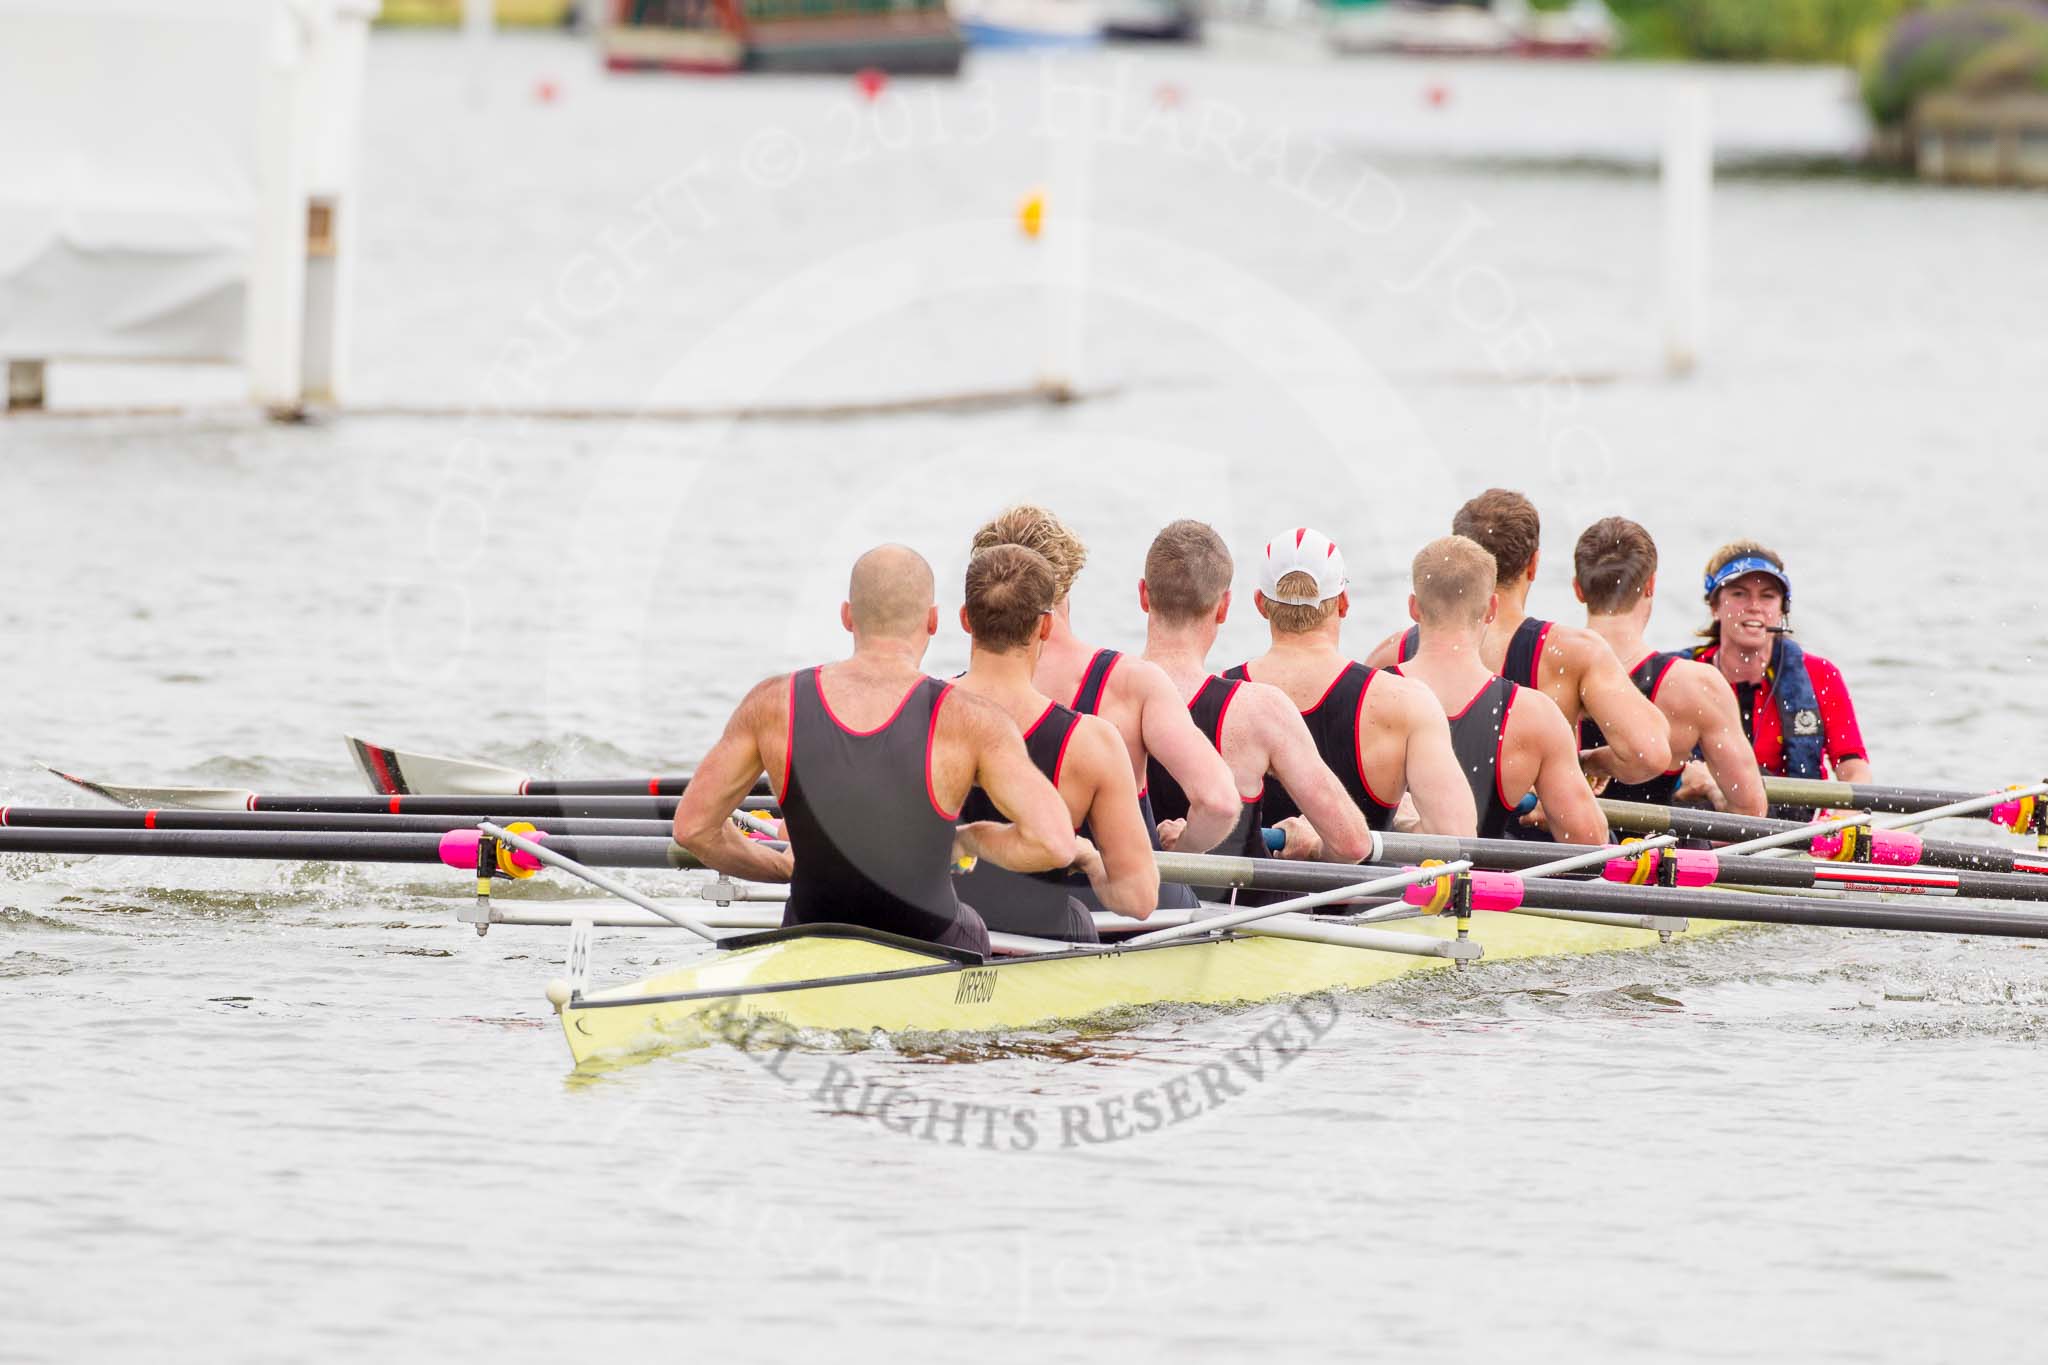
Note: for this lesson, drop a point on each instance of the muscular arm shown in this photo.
(1039, 837)
(1443, 798)
(703, 822)
(1730, 757)
(1171, 737)
(1291, 756)
(1637, 733)
(1568, 804)
(1127, 880)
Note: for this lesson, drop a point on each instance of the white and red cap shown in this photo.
(1302, 550)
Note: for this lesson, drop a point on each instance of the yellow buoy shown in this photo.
(1031, 214)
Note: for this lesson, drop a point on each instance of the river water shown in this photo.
(266, 1111)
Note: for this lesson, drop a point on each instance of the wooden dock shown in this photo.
(1981, 139)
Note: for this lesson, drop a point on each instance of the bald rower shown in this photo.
(1008, 614)
(1382, 735)
(1132, 695)
(1185, 595)
(1510, 740)
(872, 761)
(1573, 667)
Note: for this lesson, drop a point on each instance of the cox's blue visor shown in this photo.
(1747, 564)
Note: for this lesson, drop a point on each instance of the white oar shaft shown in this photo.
(1596, 857)
(1793, 836)
(600, 881)
(1955, 808)
(1375, 887)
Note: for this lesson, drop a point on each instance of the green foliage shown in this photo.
(1756, 30)
(1778, 30)
(1984, 47)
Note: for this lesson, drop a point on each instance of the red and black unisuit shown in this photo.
(1648, 675)
(1478, 734)
(1208, 707)
(1334, 723)
(1037, 903)
(1088, 701)
(869, 843)
(1524, 657)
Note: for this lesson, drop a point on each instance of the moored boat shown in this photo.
(1163, 21)
(1029, 23)
(907, 37)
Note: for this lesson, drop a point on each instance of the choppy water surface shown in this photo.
(256, 1110)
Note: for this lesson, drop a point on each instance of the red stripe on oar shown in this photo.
(251, 802)
(149, 819)
(654, 786)
(524, 783)
(396, 802)
(3, 815)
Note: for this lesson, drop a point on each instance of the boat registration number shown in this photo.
(977, 986)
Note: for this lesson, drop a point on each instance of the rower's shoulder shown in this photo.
(1143, 682)
(1387, 652)
(1392, 697)
(1688, 684)
(974, 717)
(766, 698)
(1533, 718)
(1579, 651)
(1095, 747)
(1259, 707)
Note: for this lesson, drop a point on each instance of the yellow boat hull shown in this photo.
(822, 982)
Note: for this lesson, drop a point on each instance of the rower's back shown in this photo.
(867, 764)
(1510, 740)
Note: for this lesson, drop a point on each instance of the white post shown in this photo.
(1066, 246)
(1688, 181)
(272, 341)
(338, 59)
(479, 19)
(297, 308)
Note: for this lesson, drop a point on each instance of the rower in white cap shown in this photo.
(1383, 735)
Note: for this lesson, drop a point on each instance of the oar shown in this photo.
(397, 772)
(1193, 869)
(523, 807)
(1704, 868)
(2014, 810)
(1253, 914)
(1408, 944)
(1720, 826)
(575, 868)
(455, 848)
(1494, 890)
(368, 822)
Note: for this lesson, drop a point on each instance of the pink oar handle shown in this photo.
(458, 849)
(1490, 891)
(1885, 847)
(1690, 866)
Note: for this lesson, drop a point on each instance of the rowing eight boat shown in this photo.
(840, 979)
